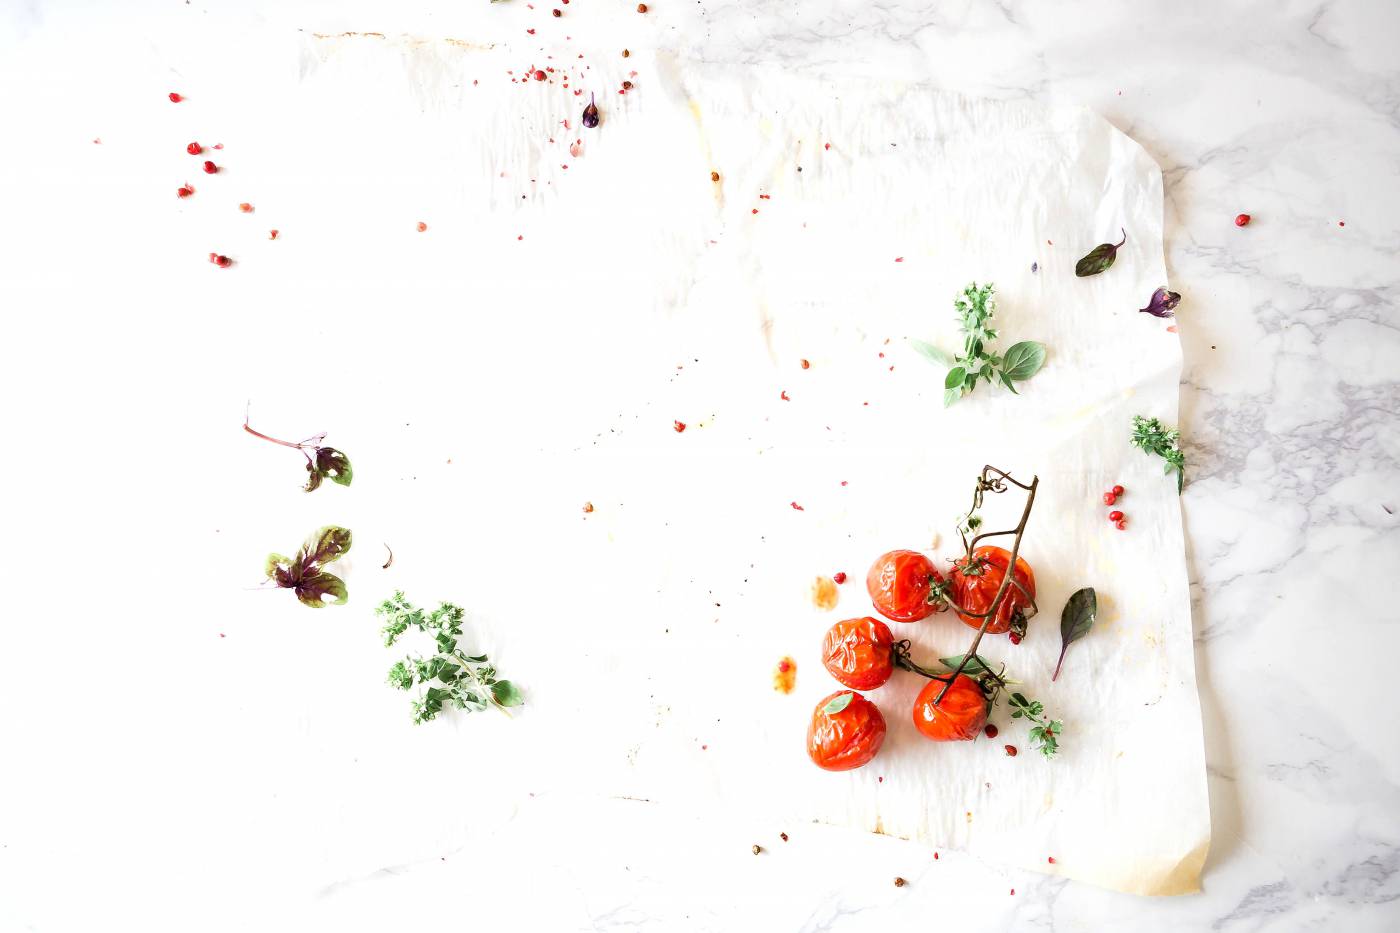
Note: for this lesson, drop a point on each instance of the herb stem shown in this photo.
(249, 429)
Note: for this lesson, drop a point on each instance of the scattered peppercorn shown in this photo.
(641, 8)
(184, 192)
(806, 364)
(757, 849)
(175, 98)
(246, 208)
(210, 168)
(1242, 220)
(1115, 516)
(714, 176)
(223, 262)
(1109, 498)
(990, 730)
(1051, 860)
(1121, 524)
(539, 75)
(422, 227)
(194, 148)
(782, 836)
(839, 578)
(627, 85)
(587, 507)
(1117, 491)
(557, 13)
(1011, 751)
(680, 426)
(1015, 638)
(625, 53)
(899, 882)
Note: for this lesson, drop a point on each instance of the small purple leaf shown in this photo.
(1162, 303)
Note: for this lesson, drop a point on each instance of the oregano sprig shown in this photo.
(305, 573)
(321, 462)
(1152, 437)
(450, 676)
(976, 307)
(1044, 735)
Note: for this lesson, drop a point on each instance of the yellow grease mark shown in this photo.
(785, 675)
(824, 594)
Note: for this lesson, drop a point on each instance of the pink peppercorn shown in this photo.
(210, 168)
(194, 148)
(175, 98)
(1242, 220)
(839, 578)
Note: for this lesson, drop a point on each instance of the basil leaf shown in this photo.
(1162, 304)
(955, 378)
(941, 357)
(838, 703)
(974, 664)
(313, 588)
(1076, 621)
(1023, 361)
(283, 570)
(505, 693)
(333, 465)
(332, 542)
(1099, 258)
(313, 478)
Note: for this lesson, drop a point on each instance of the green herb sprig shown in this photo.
(451, 676)
(976, 307)
(1044, 735)
(1152, 437)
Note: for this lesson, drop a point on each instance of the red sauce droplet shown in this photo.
(991, 731)
(679, 426)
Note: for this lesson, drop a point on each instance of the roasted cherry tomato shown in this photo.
(975, 587)
(859, 653)
(958, 718)
(848, 738)
(899, 584)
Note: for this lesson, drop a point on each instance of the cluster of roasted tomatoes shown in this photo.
(848, 729)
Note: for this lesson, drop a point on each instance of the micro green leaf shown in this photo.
(334, 465)
(304, 573)
(1076, 621)
(321, 462)
(314, 588)
(1099, 258)
(837, 703)
(1044, 736)
(505, 693)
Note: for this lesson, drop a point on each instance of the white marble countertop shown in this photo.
(1287, 111)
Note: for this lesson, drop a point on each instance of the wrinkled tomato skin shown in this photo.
(859, 653)
(846, 740)
(959, 718)
(899, 584)
(976, 592)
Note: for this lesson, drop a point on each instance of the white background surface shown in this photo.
(1290, 346)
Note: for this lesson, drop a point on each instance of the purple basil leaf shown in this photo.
(313, 589)
(284, 571)
(1099, 258)
(330, 544)
(1162, 303)
(333, 465)
(313, 478)
(590, 113)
